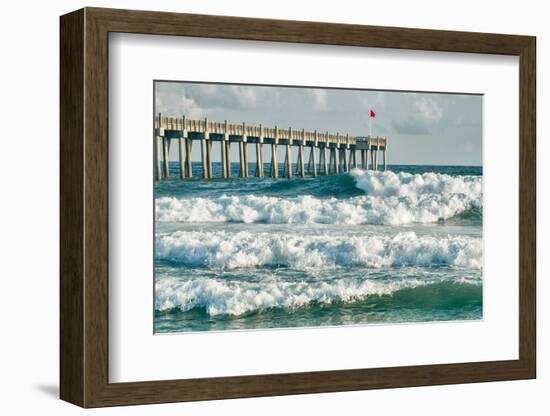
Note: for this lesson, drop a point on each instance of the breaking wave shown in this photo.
(389, 198)
(236, 250)
(217, 297)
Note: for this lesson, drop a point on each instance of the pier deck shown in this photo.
(329, 153)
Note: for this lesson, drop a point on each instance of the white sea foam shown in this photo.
(236, 298)
(390, 198)
(402, 184)
(235, 250)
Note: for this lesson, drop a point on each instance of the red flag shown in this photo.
(372, 114)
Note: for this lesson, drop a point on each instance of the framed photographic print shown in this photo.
(255, 207)
(346, 239)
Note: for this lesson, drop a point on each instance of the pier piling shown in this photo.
(188, 161)
(332, 168)
(228, 157)
(158, 161)
(275, 155)
(288, 157)
(260, 155)
(337, 155)
(203, 159)
(241, 158)
(223, 159)
(301, 154)
(166, 153)
(181, 148)
(209, 157)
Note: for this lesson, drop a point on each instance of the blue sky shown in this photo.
(422, 128)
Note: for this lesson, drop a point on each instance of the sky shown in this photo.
(422, 128)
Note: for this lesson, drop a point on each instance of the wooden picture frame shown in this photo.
(84, 207)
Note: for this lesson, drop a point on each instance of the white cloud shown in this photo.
(429, 108)
(319, 99)
(175, 101)
(245, 96)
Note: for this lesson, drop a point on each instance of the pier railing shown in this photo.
(341, 148)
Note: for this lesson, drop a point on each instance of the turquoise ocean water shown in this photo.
(360, 248)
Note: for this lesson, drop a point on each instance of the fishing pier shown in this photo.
(327, 153)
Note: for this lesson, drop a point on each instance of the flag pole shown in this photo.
(370, 124)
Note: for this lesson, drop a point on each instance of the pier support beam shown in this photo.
(158, 161)
(288, 157)
(313, 154)
(347, 155)
(226, 151)
(245, 158)
(385, 160)
(288, 161)
(325, 161)
(301, 162)
(245, 151)
(314, 161)
(259, 161)
(301, 167)
(326, 148)
(203, 159)
(223, 150)
(320, 168)
(205, 151)
(261, 151)
(228, 156)
(223, 159)
(346, 161)
(182, 148)
(209, 158)
(275, 155)
(260, 154)
(159, 142)
(166, 156)
(274, 161)
(241, 158)
(181, 152)
(337, 155)
(188, 160)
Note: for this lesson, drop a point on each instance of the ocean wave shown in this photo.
(218, 297)
(402, 184)
(389, 198)
(235, 250)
